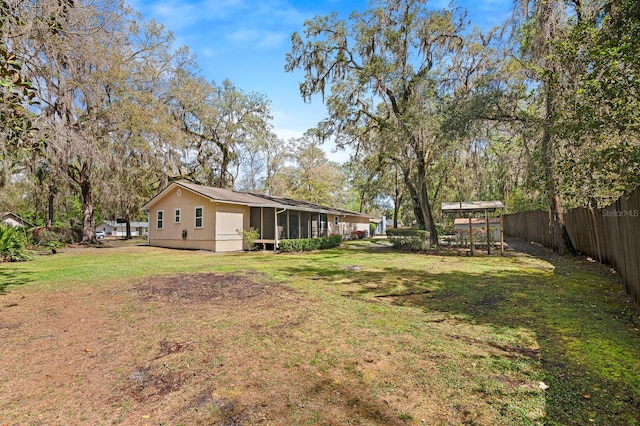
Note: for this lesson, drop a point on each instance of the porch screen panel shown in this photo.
(314, 224)
(283, 232)
(305, 224)
(268, 224)
(294, 224)
(256, 218)
(323, 226)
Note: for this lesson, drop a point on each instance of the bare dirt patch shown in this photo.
(210, 349)
(210, 287)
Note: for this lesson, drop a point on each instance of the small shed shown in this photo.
(468, 209)
(12, 219)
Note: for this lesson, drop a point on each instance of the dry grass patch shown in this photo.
(196, 349)
(357, 335)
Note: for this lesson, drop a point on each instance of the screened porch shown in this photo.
(276, 224)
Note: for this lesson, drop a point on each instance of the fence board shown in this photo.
(610, 235)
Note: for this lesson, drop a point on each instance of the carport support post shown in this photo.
(486, 216)
(501, 235)
(470, 234)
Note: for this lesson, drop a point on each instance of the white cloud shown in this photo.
(243, 35)
(273, 39)
(286, 134)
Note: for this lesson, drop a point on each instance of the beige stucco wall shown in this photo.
(230, 218)
(218, 231)
(184, 244)
(347, 224)
(220, 223)
(186, 202)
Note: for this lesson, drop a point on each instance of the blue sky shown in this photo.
(246, 42)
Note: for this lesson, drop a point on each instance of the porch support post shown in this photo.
(275, 209)
(275, 229)
(471, 234)
(501, 235)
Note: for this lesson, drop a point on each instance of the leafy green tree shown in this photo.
(599, 117)
(74, 61)
(546, 25)
(392, 70)
(309, 175)
(16, 94)
(219, 121)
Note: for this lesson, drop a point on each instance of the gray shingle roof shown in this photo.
(255, 200)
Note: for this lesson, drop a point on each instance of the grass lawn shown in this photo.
(362, 334)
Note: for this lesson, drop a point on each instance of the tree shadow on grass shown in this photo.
(584, 326)
(13, 278)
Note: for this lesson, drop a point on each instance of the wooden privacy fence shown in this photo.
(530, 226)
(610, 235)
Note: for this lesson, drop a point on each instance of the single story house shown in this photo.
(115, 229)
(189, 216)
(12, 219)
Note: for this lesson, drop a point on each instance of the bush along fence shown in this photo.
(308, 244)
(411, 239)
(609, 235)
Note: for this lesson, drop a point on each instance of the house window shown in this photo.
(199, 214)
(177, 217)
(336, 221)
(160, 217)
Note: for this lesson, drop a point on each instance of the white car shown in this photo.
(100, 234)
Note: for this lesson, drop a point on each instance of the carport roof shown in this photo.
(472, 206)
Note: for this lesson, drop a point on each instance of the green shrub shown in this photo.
(52, 238)
(54, 246)
(13, 244)
(42, 236)
(249, 236)
(411, 239)
(308, 244)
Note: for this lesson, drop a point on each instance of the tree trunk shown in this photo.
(556, 215)
(82, 176)
(425, 207)
(396, 209)
(415, 199)
(50, 204)
(422, 207)
(127, 216)
(396, 201)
